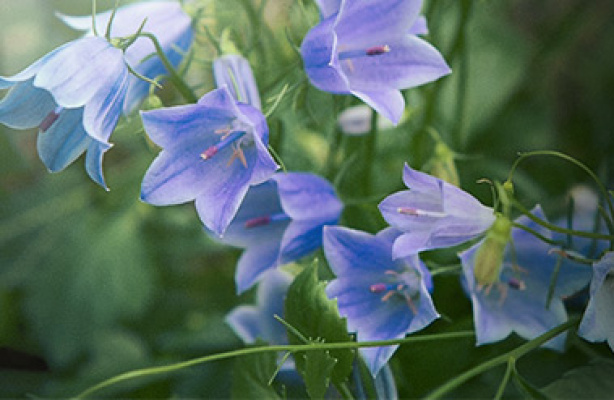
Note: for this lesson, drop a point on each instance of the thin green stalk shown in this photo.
(539, 235)
(600, 186)
(369, 154)
(502, 359)
(165, 369)
(511, 362)
(174, 77)
(556, 228)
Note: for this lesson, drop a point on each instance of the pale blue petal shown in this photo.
(103, 110)
(306, 196)
(245, 322)
(419, 27)
(234, 71)
(387, 102)
(300, 239)
(366, 23)
(410, 62)
(328, 7)
(64, 141)
(597, 324)
(254, 262)
(78, 71)
(93, 161)
(25, 106)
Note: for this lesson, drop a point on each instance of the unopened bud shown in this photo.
(489, 258)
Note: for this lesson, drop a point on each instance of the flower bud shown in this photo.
(489, 258)
(443, 166)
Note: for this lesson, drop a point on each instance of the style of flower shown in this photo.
(370, 49)
(234, 71)
(598, 321)
(433, 214)
(281, 221)
(74, 95)
(382, 298)
(255, 322)
(166, 20)
(213, 151)
(520, 300)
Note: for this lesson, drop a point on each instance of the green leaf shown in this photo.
(309, 310)
(589, 382)
(252, 374)
(318, 367)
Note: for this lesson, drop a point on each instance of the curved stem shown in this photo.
(502, 359)
(600, 186)
(174, 77)
(556, 228)
(164, 369)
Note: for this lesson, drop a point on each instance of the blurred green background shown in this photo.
(95, 283)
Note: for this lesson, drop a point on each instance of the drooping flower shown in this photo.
(74, 95)
(255, 322)
(281, 221)
(382, 298)
(213, 151)
(370, 49)
(598, 321)
(234, 71)
(166, 20)
(520, 299)
(433, 214)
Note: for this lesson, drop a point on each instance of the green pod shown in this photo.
(489, 258)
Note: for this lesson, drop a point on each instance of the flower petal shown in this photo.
(245, 322)
(77, 71)
(410, 62)
(64, 141)
(234, 71)
(25, 106)
(328, 7)
(93, 161)
(387, 102)
(419, 27)
(255, 261)
(307, 196)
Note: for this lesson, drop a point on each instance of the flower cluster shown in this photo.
(215, 151)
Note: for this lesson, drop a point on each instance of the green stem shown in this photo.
(511, 362)
(572, 160)
(164, 369)
(556, 228)
(502, 359)
(174, 77)
(539, 235)
(369, 154)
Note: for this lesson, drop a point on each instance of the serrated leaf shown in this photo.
(252, 374)
(318, 369)
(589, 382)
(315, 316)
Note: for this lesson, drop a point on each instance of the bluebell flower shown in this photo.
(518, 300)
(433, 214)
(381, 298)
(255, 322)
(234, 71)
(598, 321)
(279, 222)
(74, 95)
(164, 19)
(213, 151)
(369, 49)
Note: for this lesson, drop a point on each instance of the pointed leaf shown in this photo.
(589, 382)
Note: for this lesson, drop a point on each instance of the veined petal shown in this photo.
(387, 102)
(300, 239)
(64, 141)
(25, 106)
(76, 72)
(223, 189)
(254, 262)
(234, 71)
(328, 7)
(319, 60)
(29, 72)
(349, 250)
(358, 23)
(103, 110)
(93, 161)
(410, 62)
(306, 196)
(169, 127)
